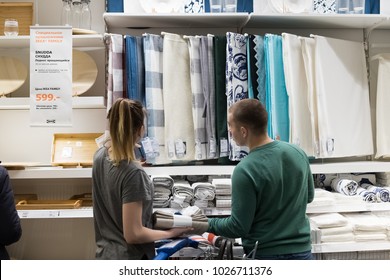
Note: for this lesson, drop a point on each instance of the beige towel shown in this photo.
(179, 125)
(328, 220)
(164, 220)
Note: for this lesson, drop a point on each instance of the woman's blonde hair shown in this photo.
(126, 118)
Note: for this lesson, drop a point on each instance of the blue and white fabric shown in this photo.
(154, 103)
(198, 98)
(276, 98)
(236, 82)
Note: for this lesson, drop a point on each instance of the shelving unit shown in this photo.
(317, 168)
(218, 20)
(239, 22)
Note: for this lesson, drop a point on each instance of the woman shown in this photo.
(123, 192)
(10, 229)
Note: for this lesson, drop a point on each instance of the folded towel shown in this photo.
(165, 220)
(366, 222)
(183, 188)
(203, 190)
(225, 203)
(222, 182)
(347, 229)
(322, 198)
(346, 237)
(162, 180)
(370, 237)
(328, 220)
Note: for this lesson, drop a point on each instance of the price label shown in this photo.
(45, 97)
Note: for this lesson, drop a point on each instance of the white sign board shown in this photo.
(51, 76)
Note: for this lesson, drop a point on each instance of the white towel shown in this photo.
(343, 98)
(203, 190)
(371, 237)
(344, 186)
(297, 89)
(382, 194)
(328, 220)
(366, 222)
(322, 198)
(308, 50)
(179, 128)
(347, 229)
(382, 108)
(345, 237)
(366, 195)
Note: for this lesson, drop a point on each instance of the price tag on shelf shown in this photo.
(51, 76)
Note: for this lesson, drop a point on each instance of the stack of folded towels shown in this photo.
(223, 192)
(333, 227)
(162, 190)
(368, 227)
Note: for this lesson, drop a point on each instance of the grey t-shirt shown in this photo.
(114, 186)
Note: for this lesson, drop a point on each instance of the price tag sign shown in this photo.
(51, 76)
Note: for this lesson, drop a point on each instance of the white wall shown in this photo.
(48, 12)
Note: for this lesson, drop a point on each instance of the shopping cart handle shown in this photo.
(161, 256)
(168, 249)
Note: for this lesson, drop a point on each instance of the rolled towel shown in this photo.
(382, 194)
(165, 220)
(345, 186)
(366, 195)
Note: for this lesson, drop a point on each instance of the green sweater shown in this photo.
(270, 191)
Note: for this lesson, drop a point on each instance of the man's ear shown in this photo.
(244, 131)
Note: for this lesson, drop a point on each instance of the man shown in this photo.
(270, 190)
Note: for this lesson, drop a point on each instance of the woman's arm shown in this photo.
(133, 230)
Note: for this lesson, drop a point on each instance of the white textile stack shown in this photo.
(162, 190)
(182, 194)
(223, 192)
(204, 194)
(367, 227)
(385, 217)
(322, 198)
(333, 227)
